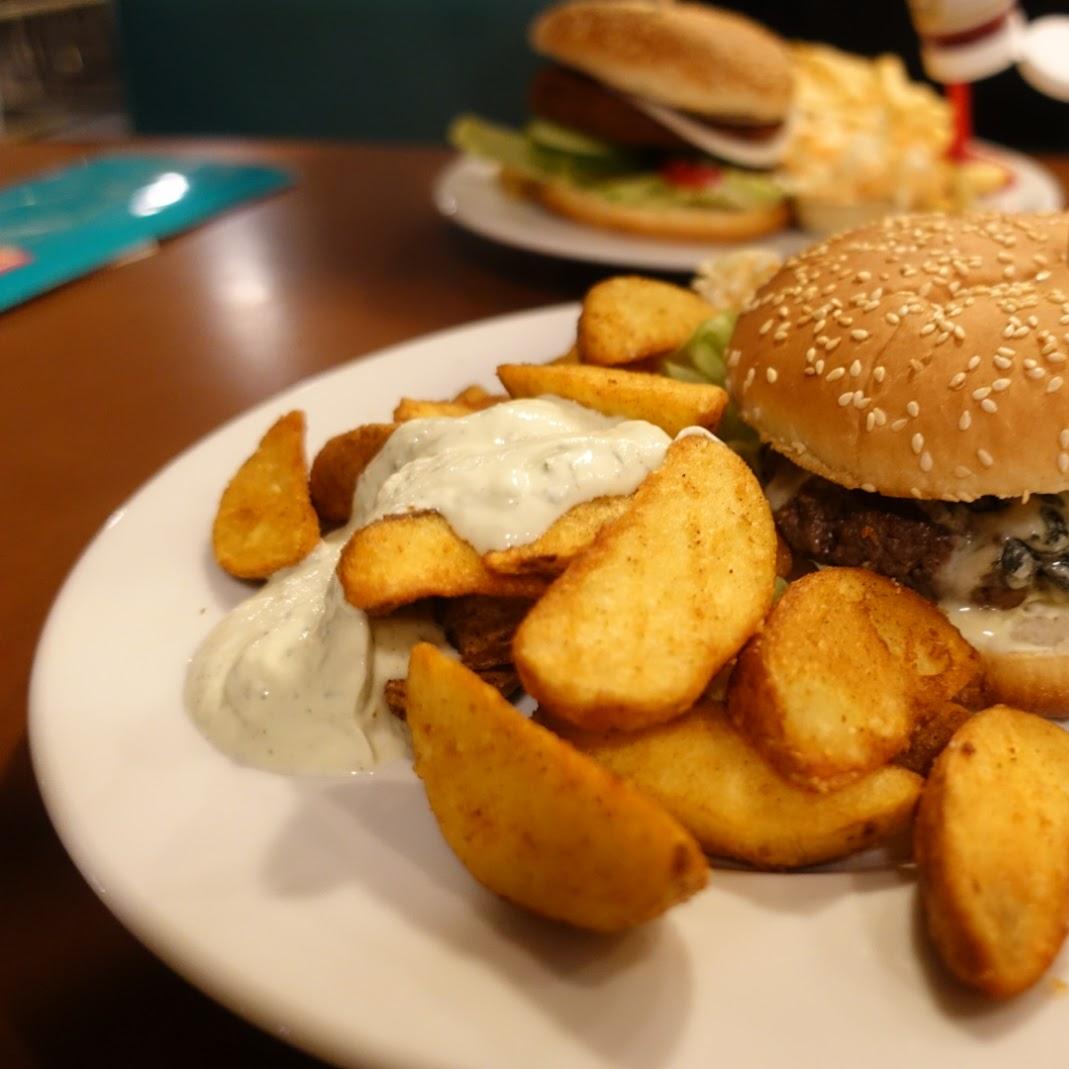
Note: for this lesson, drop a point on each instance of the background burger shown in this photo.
(652, 117)
(912, 380)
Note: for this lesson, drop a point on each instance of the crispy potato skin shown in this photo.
(401, 559)
(705, 773)
(991, 841)
(552, 552)
(931, 733)
(531, 818)
(473, 399)
(265, 520)
(664, 402)
(847, 666)
(339, 464)
(628, 318)
(633, 631)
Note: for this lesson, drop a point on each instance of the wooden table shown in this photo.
(104, 381)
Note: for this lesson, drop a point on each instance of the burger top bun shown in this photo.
(923, 356)
(700, 59)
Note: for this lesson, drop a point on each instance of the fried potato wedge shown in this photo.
(628, 318)
(570, 357)
(818, 691)
(265, 520)
(991, 843)
(735, 804)
(532, 819)
(946, 667)
(470, 399)
(552, 552)
(339, 464)
(933, 730)
(636, 627)
(480, 629)
(402, 559)
(668, 404)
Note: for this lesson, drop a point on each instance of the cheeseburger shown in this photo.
(910, 378)
(657, 118)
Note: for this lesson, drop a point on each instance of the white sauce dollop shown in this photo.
(292, 679)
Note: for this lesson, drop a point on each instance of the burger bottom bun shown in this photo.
(1036, 682)
(677, 224)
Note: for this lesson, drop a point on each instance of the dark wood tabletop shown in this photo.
(107, 378)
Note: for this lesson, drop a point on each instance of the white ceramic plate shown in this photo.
(468, 193)
(329, 911)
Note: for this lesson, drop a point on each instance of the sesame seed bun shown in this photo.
(923, 356)
(678, 223)
(700, 59)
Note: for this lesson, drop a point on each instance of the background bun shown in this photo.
(688, 56)
(674, 223)
(923, 356)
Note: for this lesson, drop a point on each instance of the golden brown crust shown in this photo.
(906, 356)
(1037, 681)
(688, 56)
(680, 224)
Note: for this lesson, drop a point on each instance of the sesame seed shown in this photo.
(965, 421)
(898, 424)
(1042, 276)
(926, 461)
(818, 367)
(879, 373)
(1063, 462)
(846, 398)
(958, 381)
(1003, 362)
(988, 405)
(855, 368)
(810, 354)
(1030, 363)
(917, 443)
(985, 457)
(1037, 373)
(928, 328)
(861, 401)
(981, 393)
(1000, 384)
(1054, 385)
(859, 334)
(915, 492)
(766, 326)
(748, 381)
(836, 373)
(1007, 331)
(831, 343)
(771, 374)
(784, 311)
(1005, 350)
(973, 364)
(1063, 438)
(869, 488)
(913, 409)
(959, 331)
(780, 335)
(893, 319)
(962, 472)
(870, 421)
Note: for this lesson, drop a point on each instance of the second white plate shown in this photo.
(468, 193)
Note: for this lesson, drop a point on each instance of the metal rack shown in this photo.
(56, 60)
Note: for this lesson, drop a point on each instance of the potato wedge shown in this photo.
(570, 357)
(629, 318)
(550, 553)
(402, 559)
(636, 627)
(339, 464)
(532, 819)
(265, 520)
(991, 842)
(473, 399)
(735, 804)
(934, 728)
(480, 629)
(669, 404)
(818, 692)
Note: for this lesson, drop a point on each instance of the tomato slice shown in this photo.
(691, 174)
